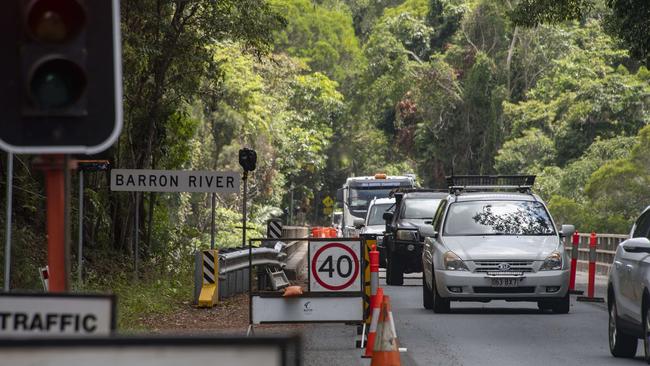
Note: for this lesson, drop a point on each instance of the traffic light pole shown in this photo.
(10, 178)
(243, 237)
(54, 166)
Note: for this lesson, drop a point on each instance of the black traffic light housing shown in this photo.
(60, 69)
(247, 159)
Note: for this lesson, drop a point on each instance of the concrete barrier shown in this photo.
(296, 251)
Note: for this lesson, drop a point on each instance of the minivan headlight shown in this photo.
(453, 262)
(407, 235)
(552, 263)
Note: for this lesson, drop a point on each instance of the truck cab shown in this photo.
(357, 193)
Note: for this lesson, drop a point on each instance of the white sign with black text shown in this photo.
(335, 266)
(148, 351)
(307, 309)
(142, 180)
(50, 315)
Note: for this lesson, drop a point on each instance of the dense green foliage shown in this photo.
(325, 89)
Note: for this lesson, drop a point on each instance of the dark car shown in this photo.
(413, 209)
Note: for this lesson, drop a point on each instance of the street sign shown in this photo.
(328, 201)
(274, 228)
(56, 315)
(141, 180)
(334, 266)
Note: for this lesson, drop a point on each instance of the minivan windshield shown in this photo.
(376, 215)
(420, 208)
(498, 218)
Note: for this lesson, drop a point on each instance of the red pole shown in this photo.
(575, 241)
(54, 185)
(592, 264)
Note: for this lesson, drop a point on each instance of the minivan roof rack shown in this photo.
(520, 183)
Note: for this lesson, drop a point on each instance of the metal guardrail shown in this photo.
(234, 261)
(233, 268)
(606, 245)
(233, 264)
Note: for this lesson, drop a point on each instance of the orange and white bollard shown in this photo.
(375, 306)
(592, 272)
(575, 245)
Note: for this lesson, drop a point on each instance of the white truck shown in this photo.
(357, 192)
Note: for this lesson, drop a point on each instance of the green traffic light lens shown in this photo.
(57, 83)
(55, 21)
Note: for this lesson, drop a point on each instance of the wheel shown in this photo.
(563, 305)
(395, 271)
(646, 332)
(427, 295)
(620, 344)
(440, 304)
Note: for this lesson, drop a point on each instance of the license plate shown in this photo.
(505, 282)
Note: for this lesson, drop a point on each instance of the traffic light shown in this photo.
(60, 71)
(247, 159)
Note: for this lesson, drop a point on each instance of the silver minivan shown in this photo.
(488, 243)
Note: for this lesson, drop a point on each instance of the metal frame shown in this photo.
(308, 294)
(291, 347)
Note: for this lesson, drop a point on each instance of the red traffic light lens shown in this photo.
(55, 21)
(57, 83)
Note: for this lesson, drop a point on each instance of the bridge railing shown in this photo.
(606, 245)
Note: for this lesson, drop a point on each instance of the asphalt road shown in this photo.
(496, 333)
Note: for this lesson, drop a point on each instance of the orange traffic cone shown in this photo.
(386, 350)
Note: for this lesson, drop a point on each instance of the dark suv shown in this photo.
(413, 209)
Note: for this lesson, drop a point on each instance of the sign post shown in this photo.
(8, 202)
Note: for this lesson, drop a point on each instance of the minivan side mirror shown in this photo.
(427, 231)
(567, 230)
(637, 245)
(387, 216)
(358, 222)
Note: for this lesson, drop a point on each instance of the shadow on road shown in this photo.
(501, 310)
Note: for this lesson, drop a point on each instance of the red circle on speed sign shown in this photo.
(320, 281)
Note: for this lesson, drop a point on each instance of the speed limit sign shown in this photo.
(334, 266)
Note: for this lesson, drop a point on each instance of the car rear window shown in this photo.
(498, 218)
(376, 215)
(420, 208)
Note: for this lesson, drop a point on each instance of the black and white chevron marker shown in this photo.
(209, 268)
(274, 229)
